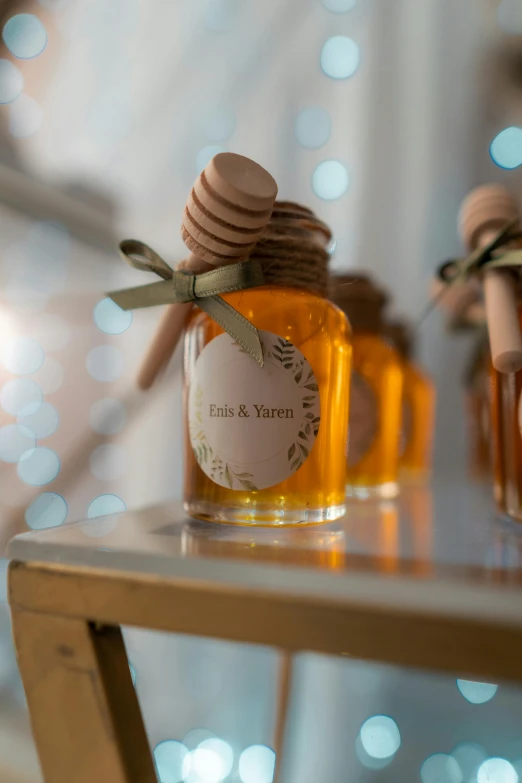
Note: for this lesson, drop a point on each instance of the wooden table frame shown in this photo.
(84, 711)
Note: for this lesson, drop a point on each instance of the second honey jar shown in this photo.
(418, 409)
(372, 460)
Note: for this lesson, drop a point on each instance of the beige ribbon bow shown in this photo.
(458, 270)
(179, 286)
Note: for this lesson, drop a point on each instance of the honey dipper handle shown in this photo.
(502, 317)
(164, 343)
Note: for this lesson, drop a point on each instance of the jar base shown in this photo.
(262, 517)
(386, 491)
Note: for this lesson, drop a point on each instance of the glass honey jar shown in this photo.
(265, 445)
(477, 402)
(372, 461)
(418, 409)
(506, 430)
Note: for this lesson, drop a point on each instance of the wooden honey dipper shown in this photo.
(484, 212)
(225, 215)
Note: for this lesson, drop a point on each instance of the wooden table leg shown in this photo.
(84, 712)
(283, 702)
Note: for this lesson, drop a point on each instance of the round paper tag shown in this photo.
(363, 419)
(252, 427)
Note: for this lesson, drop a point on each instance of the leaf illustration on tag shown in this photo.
(228, 477)
(291, 451)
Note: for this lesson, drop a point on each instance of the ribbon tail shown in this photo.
(510, 259)
(146, 295)
(238, 327)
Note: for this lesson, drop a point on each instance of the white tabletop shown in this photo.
(438, 549)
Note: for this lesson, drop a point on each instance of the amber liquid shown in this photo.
(315, 492)
(418, 408)
(506, 395)
(380, 375)
(478, 417)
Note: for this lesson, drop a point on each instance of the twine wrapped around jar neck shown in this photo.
(401, 337)
(360, 298)
(292, 250)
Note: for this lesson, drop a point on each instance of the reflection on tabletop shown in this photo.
(449, 529)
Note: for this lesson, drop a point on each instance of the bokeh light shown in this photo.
(369, 761)
(107, 416)
(203, 765)
(21, 397)
(47, 510)
(108, 462)
(313, 127)
(22, 356)
(105, 504)
(223, 751)
(477, 692)
(11, 81)
(340, 57)
(496, 770)
(38, 466)
(441, 768)
(330, 180)
(510, 16)
(110, 318)
(339, 6)
(25, 117)
(169, 757)
(331, 246)
(43, 422)
(15, 440)
(206, 154)
(105, 363)
(380, 736)
(506, 148)
(25, 36)
(469, 756)
(218, 123)
(257, 764)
